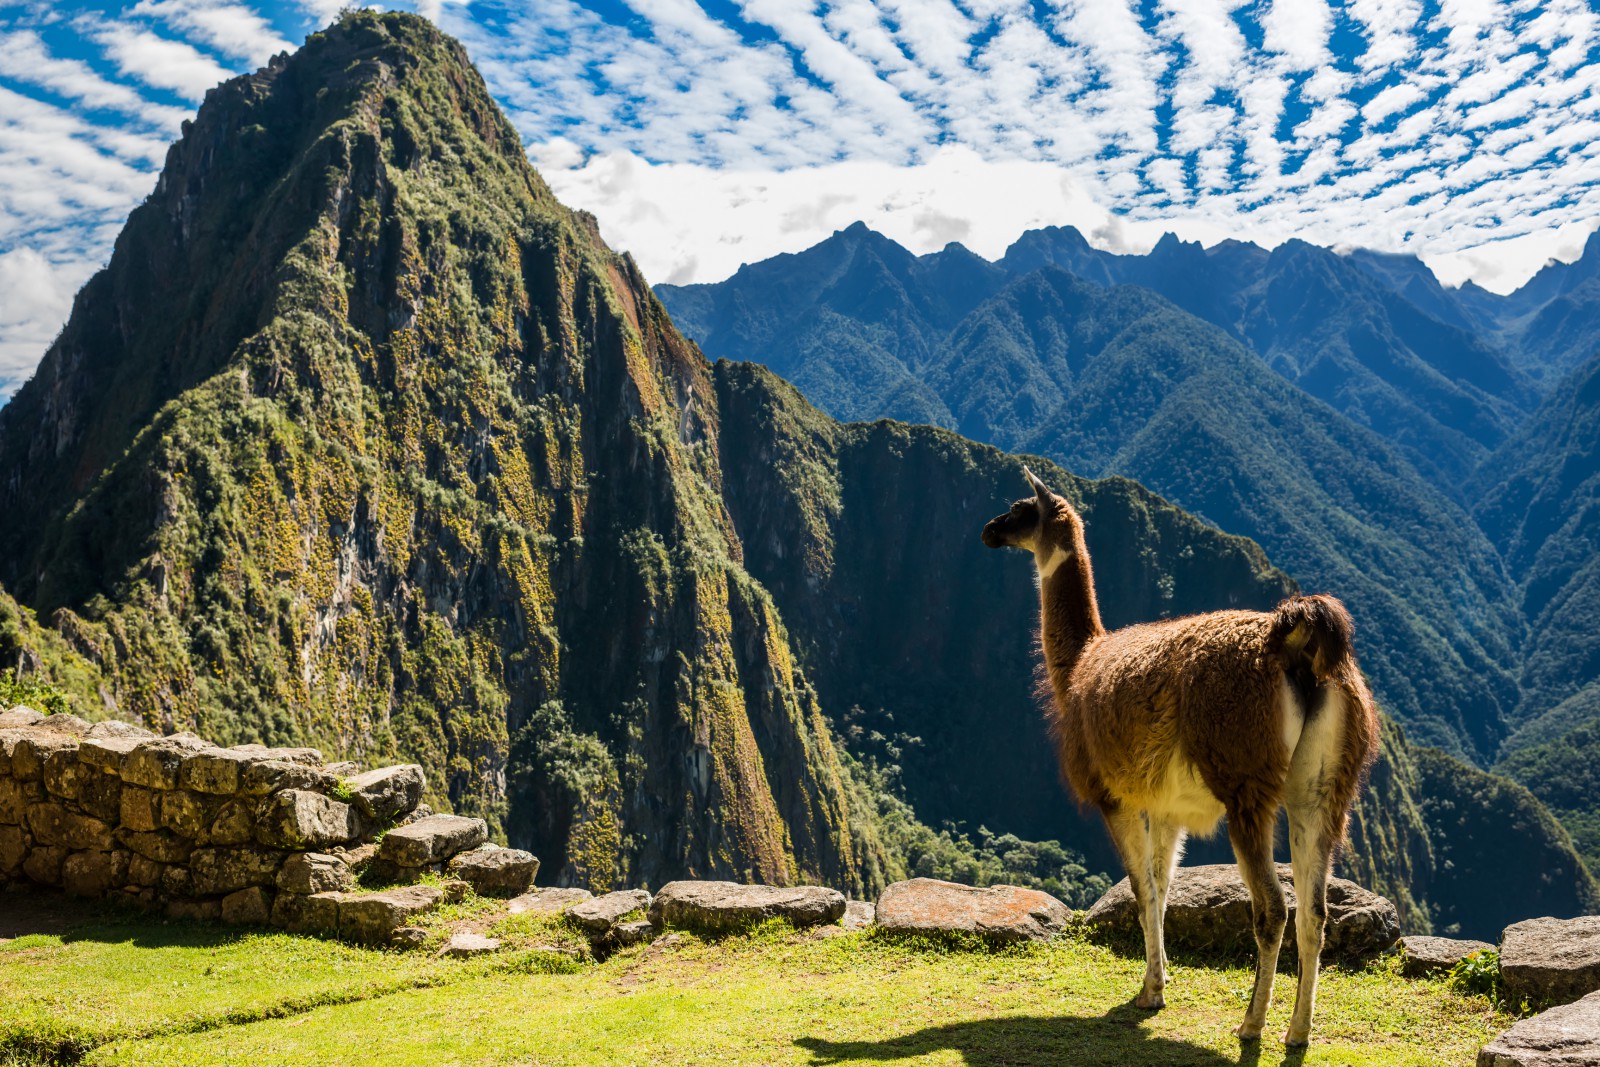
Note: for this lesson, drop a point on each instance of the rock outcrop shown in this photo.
(1565, 1036)
(1551, 961)
(1208, 910)
(725, 907)
(999, 913)
(1422, 956)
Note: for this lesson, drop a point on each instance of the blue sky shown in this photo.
(706, 133)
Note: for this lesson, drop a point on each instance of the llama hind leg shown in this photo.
(1251, 835)
(1149, 847)
(1310, 845)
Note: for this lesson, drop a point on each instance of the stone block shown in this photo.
(116, 729)
(315, 872)
(189, 814)
(15, 796)
(13, 849)
(21, 715)
(217, 771)
(143, 871)
(93, 874)
(100, 794)
(718, 907)
(302, 819)
(495, 872)
(32, 749)
(54, 824)
(224, 870)
(999, 913)
(107, 753)
(386, 792)
(269, 776)
(858, 915)
(631, 933)
(156, 764)
(64, 725)
(1550, 961)
(140, 808)
(1422, 956)
(464, 946)
(374, 917)
(235, 824)
(432, 840)
(248, 907)
(551, 901)
(316, 913)
(63, 774)
(1564, 1036)
(163, 846)
(43, 864)
(176, 882)
(600, 914)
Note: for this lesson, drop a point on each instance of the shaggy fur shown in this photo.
(1167, 727)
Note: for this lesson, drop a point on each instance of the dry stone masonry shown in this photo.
(247, 834)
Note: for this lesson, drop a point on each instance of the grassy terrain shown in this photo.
(145, 992)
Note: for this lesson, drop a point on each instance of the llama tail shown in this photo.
(1313, 631)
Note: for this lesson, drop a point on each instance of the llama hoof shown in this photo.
(1247, 1032)
(1293, 1040)
(1149, 1001)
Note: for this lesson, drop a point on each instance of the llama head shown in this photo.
(1044, 524)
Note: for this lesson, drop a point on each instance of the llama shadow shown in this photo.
(1114, 1039)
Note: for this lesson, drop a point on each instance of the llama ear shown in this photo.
(1047, 499)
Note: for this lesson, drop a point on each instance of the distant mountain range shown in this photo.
(1429, 454)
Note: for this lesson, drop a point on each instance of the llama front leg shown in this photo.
(1310, 846)
(1251, 835)
(1149, 848)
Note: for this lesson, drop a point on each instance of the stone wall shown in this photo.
(246, 834)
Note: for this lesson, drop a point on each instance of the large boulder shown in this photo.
(721, 907)
(432, 840)
(1208, 910)
(271, 775)
(495, 872)
(386, 792)
(1564, 1036)
(1551, 961)
(997, 913)
(374, 917)
(1422, 956)
(600, 914)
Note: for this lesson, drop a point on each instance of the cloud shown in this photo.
(157, 61)
(231, 28)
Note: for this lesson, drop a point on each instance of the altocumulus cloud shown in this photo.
(707, 134)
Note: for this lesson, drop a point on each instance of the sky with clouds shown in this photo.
(708, 133)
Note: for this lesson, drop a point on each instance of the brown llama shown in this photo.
(1166, 727)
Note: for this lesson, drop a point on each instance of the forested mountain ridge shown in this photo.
(1447, 495)
(363, 440)
(1118, 380)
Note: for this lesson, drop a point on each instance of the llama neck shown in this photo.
(1069, 614)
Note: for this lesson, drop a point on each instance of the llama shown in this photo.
(1166, 727)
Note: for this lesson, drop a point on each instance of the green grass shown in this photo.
(139, 992)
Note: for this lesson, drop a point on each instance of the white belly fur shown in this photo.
(1182, 797)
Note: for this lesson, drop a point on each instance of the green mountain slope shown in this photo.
(362, 439)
